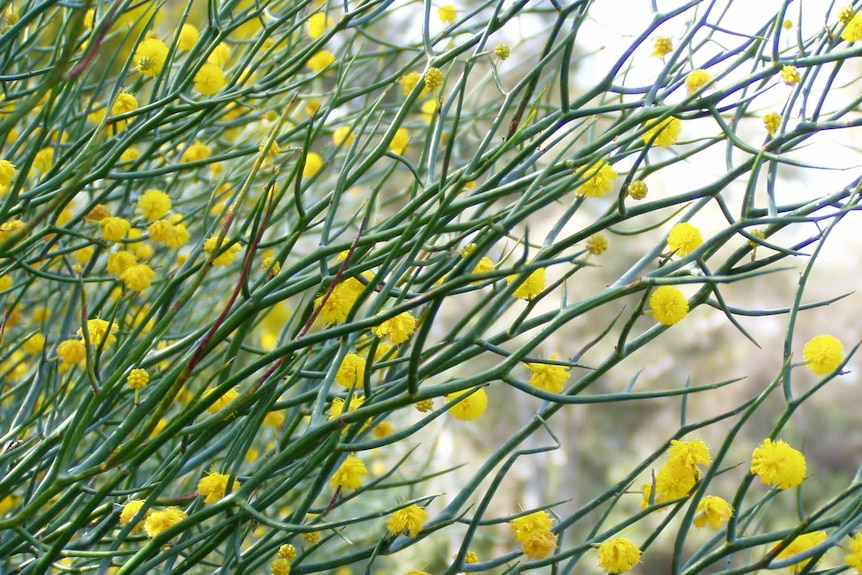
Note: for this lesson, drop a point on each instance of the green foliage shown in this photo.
(404, 216)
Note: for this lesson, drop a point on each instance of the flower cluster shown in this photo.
(533, 532)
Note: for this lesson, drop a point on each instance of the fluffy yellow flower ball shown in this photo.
(150, 57)
(209, 79)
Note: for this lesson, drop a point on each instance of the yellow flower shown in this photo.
(618, 555)
(662, 47)
(597, 244)
(340, 301)
(150, 57)
(714, 510)
(280, 567)
(138, 277)
(852, 32)
(502, 51)
(227, 253)
(532, 286)
(349, 475)
(220, 56)
(433, 78)
(124, 104)
(34, 344)
(845, 14)
(196, 152)
(447, 13)
(317, 25)
(548, 376)
(154, 204)
(99, 331)
(525, 525)
(398, 328)
(790, 75)
(424, 406)
(539, 544)
(599, 181)
(129, 511)
(7, 175)
(213, 486)
(113, 228)
(691, 453)
(209, 79)
(411, 518)
(854, 555)
(408, 81)
(71, 352)
(223, 401)
(172, 235)
(44, 160)
(772, 121)
(799, 545)
(287, 552)
(674, 479)
(776, 463)
(188, 37)
(663, 133)
(162, 520)
(138, 378)
(313, 163)
(320, 60)
(823, 354)
(343, 135)
(399, 141)
(120, 261)
(638, 190)
(351, 371)
(668, 304)
(470, 407)
(697, 80)
(684, 238)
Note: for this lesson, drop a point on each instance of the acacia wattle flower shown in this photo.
(280, 567)
(99, 331)
(313, 163)
(531, 287)
(668, 305)
(790, 75)
(539, 544)
(674, 479)
(150, 57)
(854, 553)
(349, 474)
(399, 141)
(71, 352)
(600, 180)
(799, 545)
(447, 13)
(213, 486)
(129, 511)
(547, 376)
(662, 47)
(852, 31)
(684, 238)
(618, 555)
(663, 133)
(340, 301)
(7, 175)
(398, 328)
(597, 244)
(138, 277)
(823, 354)
(696, 80)
(209, 79)
(320, 60)
(470, 407)
(113, 228)
(188, 37)
(713, 510)
(223, 401)
(772, 121)
(411, 519)
(120, 261)
(691, 453)
(154, 204)
(524, 525)
(318, 23)
(778, 464)
(226, 256)
(351, 371)
(162, 520)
